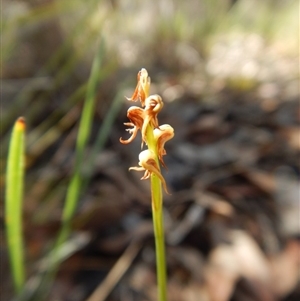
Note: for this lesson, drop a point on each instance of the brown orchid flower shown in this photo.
(162, 134)
(136, 117)
(141, 118)
(153, 105)
(148, 163)
(141, 91)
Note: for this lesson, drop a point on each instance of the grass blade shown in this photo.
(82, 139)
(13, 202)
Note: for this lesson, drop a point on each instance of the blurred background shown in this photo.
(228, 72)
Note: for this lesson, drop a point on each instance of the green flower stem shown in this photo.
(157, 215)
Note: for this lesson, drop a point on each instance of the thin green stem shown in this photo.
(158, 224)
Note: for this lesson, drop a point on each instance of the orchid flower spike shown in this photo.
(162, 134)
(145, 119)
(148, 163)
(141, 91)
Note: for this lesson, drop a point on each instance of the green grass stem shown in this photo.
(13, 202)
(74, 188)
